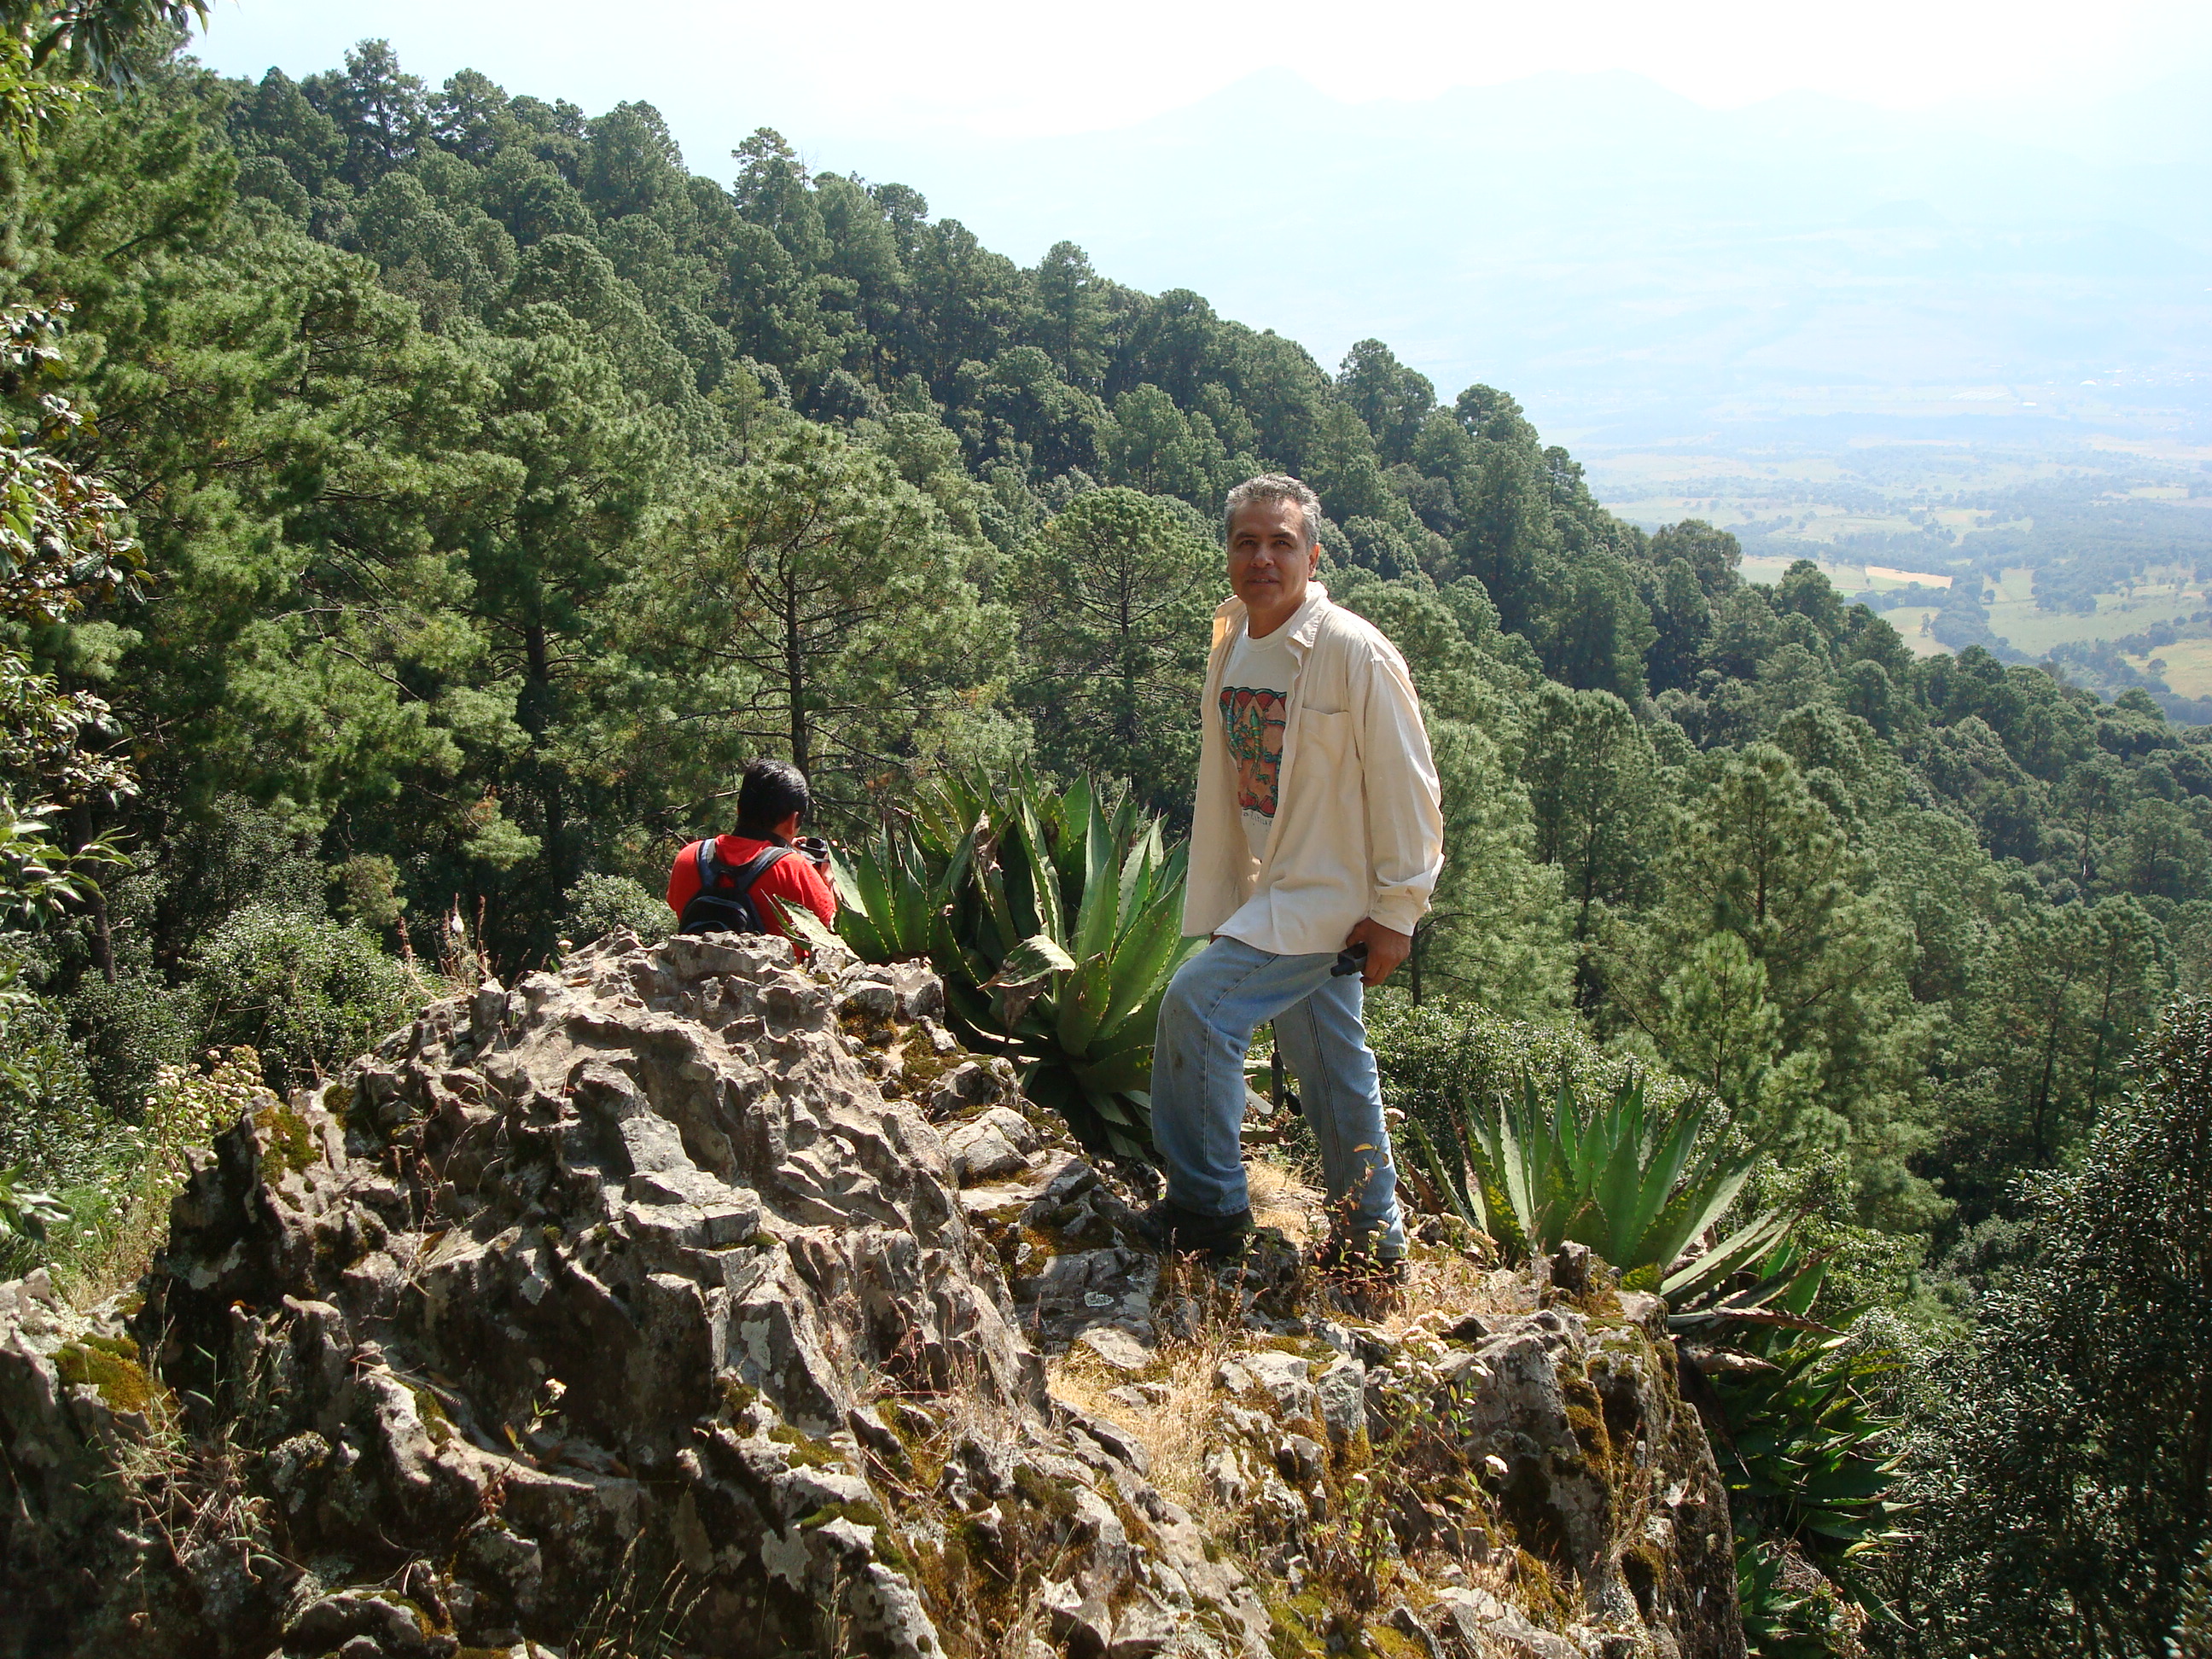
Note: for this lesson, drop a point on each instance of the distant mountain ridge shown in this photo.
(1642, 266)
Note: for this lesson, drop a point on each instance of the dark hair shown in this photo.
(770, 791)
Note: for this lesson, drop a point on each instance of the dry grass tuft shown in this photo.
(1175, 1428)
(1282, 1198)
(1442, 1285)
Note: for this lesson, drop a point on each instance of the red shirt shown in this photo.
(793, 879)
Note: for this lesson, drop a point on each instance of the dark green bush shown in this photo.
(306, 991)
(2060, 1463)
(51, 1126)
(131, 1030)
(597, 905)
(188, 884)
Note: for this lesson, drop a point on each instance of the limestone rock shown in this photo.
(1117, 1347)
(1473, 1623)
(1283, 1377)
(1340, 1392)
(996, 1144)
(630, 1272)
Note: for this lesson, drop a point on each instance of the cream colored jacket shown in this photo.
(1358, 828)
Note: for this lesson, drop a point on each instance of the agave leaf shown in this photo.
(1129, 819)
(1468, 1205)
(1003, 930)
(1554, 1168)
(802, 925)
(1074, 809)
(1158, 863)
(1790, 1283)
(1702, 1199)
(1082, 1002)
(1141, 965)
(1098, 917)
(1621, 1180)
(1748, 1243)
(1114, 1109)
(1661, 1175)
(861, 904)
(1513, 1166)
(1722, 1314)
(917, 905)
(1134, 889)
(1038, 877)
(1116, 1074)
(1563, 1129)
(1033, 959)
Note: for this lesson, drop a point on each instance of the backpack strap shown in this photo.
(714, 875)
(724, 902)
(758, 866)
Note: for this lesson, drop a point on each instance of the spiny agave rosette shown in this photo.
(1056, 921)
(1634, 1181)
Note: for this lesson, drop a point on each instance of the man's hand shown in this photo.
(1386, 949)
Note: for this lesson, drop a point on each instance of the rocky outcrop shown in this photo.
(689, 1301)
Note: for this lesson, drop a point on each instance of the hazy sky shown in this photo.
(1485, 285)
(870, 68)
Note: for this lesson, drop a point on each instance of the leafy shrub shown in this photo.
(25, 1214)
(51, 1128)
(2061, 1465)
(122, 1218)
(233, 855)
(308, 992)
(132, 1029)
(599, 905)
(368, 891)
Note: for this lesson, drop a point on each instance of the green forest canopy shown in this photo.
(503, 484)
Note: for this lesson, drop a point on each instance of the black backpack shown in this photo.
(724, 902)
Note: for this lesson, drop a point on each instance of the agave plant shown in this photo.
(1056, 922)
(1634, 1183)
(1807, 1454)
(894, 893)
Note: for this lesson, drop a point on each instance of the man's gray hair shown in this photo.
(1274, 487)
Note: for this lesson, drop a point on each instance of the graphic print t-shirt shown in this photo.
(1255, 698)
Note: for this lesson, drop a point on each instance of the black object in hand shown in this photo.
(815, 849)
(1349, 960)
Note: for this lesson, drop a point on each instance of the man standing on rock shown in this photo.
(1317, 838)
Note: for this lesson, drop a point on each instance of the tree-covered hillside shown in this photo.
(503, 484)
(421, 501)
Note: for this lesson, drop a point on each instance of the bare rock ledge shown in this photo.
(640, 1309)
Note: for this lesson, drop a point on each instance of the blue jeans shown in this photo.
(1198, 1083)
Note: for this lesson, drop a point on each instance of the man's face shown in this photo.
(1269, 561)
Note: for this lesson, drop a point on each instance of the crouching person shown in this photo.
(741, 882)
(1316, 840)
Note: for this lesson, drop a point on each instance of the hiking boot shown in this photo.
(1169, 1227)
